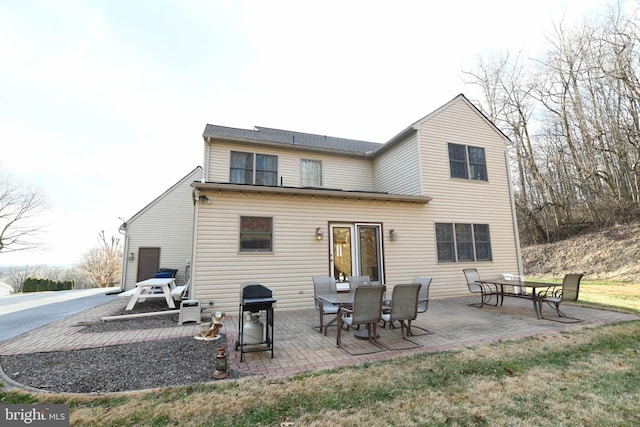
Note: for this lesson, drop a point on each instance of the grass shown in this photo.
(618, 296)
(611, 295)
(589, 377)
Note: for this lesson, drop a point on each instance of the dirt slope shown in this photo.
(612, 254)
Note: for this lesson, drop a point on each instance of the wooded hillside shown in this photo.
(612, 253)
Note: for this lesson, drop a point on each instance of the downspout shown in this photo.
(514, 218)
(125, 250)
(194, 241)
(192, 293)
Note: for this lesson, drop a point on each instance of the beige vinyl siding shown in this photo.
(166, 223)
(469, 201)
(418, 165)
(397, 170)
(220, 269)
(340, 172)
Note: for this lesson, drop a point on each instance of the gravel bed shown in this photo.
(135, 366)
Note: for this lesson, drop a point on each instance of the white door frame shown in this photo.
(336, 251)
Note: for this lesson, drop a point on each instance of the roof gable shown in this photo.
(464, 99)
(191, 176)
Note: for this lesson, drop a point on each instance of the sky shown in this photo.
(103, 103)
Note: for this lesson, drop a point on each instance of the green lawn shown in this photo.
(615, 295)
(611, 295)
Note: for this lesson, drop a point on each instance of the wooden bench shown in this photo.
(176, 293)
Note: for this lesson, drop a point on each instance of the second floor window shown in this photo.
(467, 162)
(251, 168)
(310, 173)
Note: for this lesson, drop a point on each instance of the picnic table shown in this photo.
(147, 289)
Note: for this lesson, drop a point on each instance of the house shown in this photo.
(280, 207)
(160, 235)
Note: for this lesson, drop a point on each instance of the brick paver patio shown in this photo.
(299, 348)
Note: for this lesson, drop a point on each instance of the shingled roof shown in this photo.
(291, 138)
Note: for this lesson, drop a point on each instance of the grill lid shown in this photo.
(256, 291)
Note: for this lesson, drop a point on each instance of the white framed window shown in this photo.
(457, 242)
(467, 162)
(310, 173)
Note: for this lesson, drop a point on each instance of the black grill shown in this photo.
(255, 298)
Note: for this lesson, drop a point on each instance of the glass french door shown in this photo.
(356, 250)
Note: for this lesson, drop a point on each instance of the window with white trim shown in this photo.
(467, 162)
(457, 242)
(310, 173)
(253, 168)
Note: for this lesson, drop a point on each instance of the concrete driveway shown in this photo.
(24, 312)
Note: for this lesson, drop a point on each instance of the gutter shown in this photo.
(311, 192)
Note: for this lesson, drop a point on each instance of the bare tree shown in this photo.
(19, 206)
(573, 115)
(102, 264)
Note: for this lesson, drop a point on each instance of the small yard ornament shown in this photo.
(214, 330)
(222, 367)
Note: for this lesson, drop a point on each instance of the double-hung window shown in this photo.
(310, 173)
(463, 242)
(256, 234)
(467, 162)
(253, 168)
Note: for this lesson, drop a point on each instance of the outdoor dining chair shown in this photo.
(366, 310)
(324, 286)
(355, 281)
(404, 306)
(423, 298)
(556, 295)
(477, 287)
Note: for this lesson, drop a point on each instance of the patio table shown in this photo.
(145, 289)
(522, 285)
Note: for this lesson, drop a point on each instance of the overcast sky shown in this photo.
(103, 103)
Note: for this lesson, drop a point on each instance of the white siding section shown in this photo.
(339, 172)
(418, 165)
(219, 269)
(397, 170)
(468, 201)
(166, 223)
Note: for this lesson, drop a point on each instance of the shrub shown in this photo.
(39, 285)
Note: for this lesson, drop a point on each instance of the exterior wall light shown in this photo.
(131, 256)
(393, 235)
(203, 199)
(319, 234)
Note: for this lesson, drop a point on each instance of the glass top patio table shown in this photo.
(520, 284)
(340, 298)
